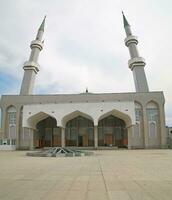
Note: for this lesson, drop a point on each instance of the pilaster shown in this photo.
(17, 129)
(163, 134)
(145, 128)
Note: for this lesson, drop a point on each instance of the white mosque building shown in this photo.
(87, 120)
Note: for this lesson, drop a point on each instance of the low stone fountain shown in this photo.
(59, 152)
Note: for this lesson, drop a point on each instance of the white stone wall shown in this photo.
(64, 112)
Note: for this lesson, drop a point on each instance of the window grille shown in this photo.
(152, 129)
(12, 118)
(152, 117)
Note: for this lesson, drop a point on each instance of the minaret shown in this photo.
(31, 67)
(136, 63)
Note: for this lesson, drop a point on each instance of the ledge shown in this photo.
(131, 39)
(138, 61)
(36, 43)
(30, 65)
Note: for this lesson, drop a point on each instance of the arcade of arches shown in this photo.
(80, 132)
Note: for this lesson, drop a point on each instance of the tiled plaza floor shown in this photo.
(108, 175)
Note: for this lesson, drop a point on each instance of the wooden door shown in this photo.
(108, 140)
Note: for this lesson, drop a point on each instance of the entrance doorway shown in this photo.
(79, 132)
(80, 141)
(112, 132)
(48, 134)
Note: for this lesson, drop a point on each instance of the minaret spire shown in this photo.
(41, 28)
(31, 67)
(136, 63)
(125, 20)
(126, 25)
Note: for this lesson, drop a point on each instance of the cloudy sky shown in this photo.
(84, 45)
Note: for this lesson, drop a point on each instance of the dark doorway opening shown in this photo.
(112, 132)
(79, 132)
(48, 134)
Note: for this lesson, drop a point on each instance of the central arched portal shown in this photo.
(48, 134)
(79, 132)
(112, 132)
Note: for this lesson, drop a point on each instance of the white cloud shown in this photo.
(84, 44)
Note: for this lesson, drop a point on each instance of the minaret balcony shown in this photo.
(134, 62)
(30, 65)
(131, 39)
(36, 44)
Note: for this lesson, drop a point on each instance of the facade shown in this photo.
(86, 120)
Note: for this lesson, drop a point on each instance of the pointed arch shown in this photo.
(34, 119)
(126, 118)
(11, 108)
(152, 104)
(74, 114)
(138, 105)
(112, 129)
(79, 129)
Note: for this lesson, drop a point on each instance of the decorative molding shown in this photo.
(36, 43)
(134, 62)
(131, 39)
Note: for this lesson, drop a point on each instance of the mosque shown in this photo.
(87, 120)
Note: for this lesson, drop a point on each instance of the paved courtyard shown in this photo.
(121, 175)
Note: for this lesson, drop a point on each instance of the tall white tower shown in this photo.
(136, 63)
(31, 67)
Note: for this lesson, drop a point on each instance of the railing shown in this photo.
(7, 144)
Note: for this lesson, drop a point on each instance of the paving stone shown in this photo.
(116, 174)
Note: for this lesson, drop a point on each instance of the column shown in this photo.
(95, 136)
(62, 137)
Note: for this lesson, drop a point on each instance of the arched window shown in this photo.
(152, 129)
(12, 122)
(152, 117)
(12, 116)
(138, 114)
